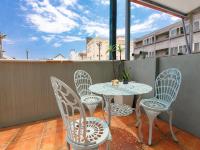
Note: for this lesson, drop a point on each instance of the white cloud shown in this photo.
(103, 2)
(48, 38)
(148, 25)
(139, 6)
(71, 38)
(62, 18)
(60, 39)
(173, 18)
(136, 21)
(72, 15)
(86, 11)
(57, 45)
(51, 19)
(102, 30)
(134, 5)
(97, 29)
(68, 2)
(9, 41)
(34, 38)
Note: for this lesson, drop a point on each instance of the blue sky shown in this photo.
(49, 27)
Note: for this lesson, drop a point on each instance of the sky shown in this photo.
(48, 27)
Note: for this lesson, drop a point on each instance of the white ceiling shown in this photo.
(184, 6)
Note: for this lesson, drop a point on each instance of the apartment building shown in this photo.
(96, 48)
(168, 41)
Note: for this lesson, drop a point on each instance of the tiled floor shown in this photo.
(50, 135)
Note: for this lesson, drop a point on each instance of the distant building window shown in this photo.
(176, 31)
(182, 49)
(173, 51)
(196, 26)
(196, 47)
(153, 40)
(148, 40)
(145, 42)
(181, 30)
(173, 33)
(151, 54)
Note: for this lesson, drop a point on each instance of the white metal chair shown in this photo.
(82, 81)
(83, 133)
(166, 87)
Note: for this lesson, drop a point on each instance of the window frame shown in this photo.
(196, 21)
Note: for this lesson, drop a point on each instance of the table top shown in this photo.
(132, 88)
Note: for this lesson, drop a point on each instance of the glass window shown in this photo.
(178, 30)
(181, 30)
(196, 26)
(174, 51)
(150, 54)
(145, 41)
(196, 47)
(173, 33)
(171, 51)
(180, 49)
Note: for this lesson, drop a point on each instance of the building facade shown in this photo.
(96, 48)
(168, 41)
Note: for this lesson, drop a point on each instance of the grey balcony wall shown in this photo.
(187, 105)
(25, 90)
(143, 71)
(26, 93)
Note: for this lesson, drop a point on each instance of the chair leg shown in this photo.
(68, 146)
(108, 145)
(92, 109)
(138, 112)
(151, 119)
(151, 116)
(170, 125)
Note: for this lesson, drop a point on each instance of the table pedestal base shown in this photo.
(120, 109)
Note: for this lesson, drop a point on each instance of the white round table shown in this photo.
(109, 91)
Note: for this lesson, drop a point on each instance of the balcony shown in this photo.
(50, 135)
(29, 117)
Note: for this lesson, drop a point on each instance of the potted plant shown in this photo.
(120, 65)
(125, 76)
(120, 50)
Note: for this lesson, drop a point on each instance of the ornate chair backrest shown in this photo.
(167, 85)
(82, 82)
(69, 104)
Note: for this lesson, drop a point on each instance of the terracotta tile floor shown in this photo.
(50, 135)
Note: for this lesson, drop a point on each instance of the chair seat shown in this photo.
(97, 132)
(91, 99)
(154, 104)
